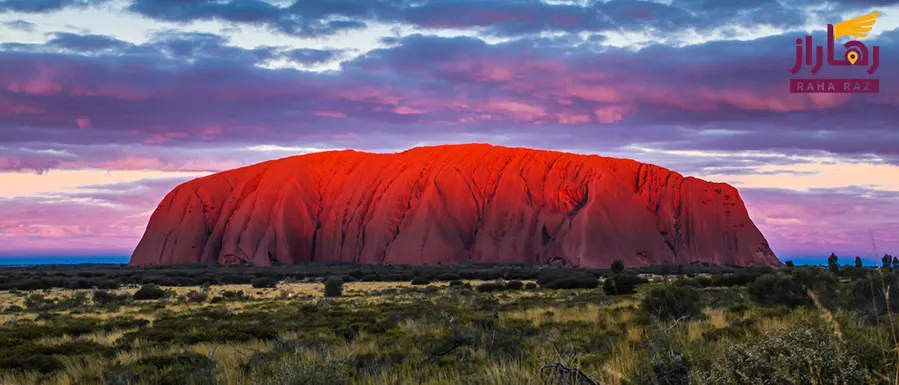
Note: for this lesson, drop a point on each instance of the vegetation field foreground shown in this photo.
(797, 325)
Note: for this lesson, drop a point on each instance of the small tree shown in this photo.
(333, 287)
(895, 262)
(665, 270)
(858, 262)
(617, 266)
(886, 260)
(790, 264)
(833, 262)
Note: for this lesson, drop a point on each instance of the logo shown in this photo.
(855, 55)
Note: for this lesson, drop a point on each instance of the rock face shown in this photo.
(452, 204)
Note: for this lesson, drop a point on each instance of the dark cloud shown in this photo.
(315, 28)
(301, 20)
(86, 43)
(311, 56)
(193, 46)
(40, 6)
(20, 24)
(504, 17)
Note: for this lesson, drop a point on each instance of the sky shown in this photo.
(106, 105)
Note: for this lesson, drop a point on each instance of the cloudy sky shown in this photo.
(107, 105)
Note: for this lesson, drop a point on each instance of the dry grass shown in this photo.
(557, 314)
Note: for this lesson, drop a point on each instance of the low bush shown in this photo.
(13, 309)
(456, 283)
(488, 287)
(183, 368)
(35, 301)
(104, 298)
(800, 355)
(148, 292)
(421, 281)
(530, 286)
(264, 283)
(790, 288)
(196, 296)
(671, 302)
(26, 356)
(622, 284)
(871, 293)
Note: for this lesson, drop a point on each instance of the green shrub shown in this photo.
(488, 287)
(791, 288)
(103, 298)
(872, 291)
(333, 287)
(264, 283)
(530, 286)
(150, 291)
(13, 309)
(617, 267)
(671, 302)
(35, 301)
(801, 355)
(421, 281)
(622, 284)
(456, 283)
(22, 355)
(196, 296)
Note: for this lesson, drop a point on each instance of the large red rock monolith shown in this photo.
(452, 204)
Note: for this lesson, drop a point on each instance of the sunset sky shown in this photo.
(107, 105)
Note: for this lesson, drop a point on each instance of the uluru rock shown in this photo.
(452, 204)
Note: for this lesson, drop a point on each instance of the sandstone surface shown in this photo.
(452, 204)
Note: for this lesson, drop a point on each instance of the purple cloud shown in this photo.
(183, 92)
(41, 6)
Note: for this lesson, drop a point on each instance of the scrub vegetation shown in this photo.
(464, 325)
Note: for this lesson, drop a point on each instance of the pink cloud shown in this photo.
(330, 114)
(612, 114)
(516, 110)
(405, 110)
(806, 223)
(114, 92)
(35, 87)
(161, 138)
(83, 123)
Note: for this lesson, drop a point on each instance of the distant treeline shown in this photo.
(114, 276)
